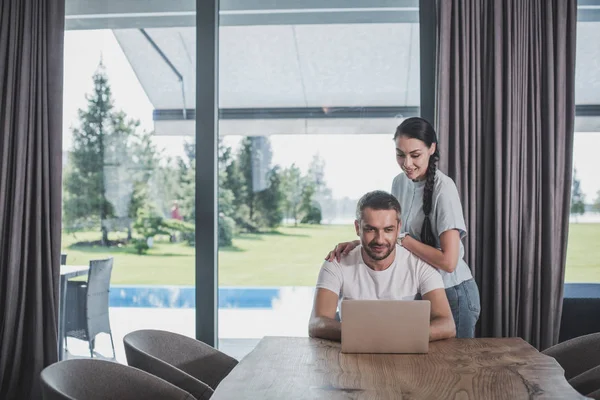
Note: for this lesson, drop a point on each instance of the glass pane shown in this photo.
(308, 108)
(128, 190)
(583, 252)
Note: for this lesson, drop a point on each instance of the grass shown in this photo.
(291, 256)
(583, 253)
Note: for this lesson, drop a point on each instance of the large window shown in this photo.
(128, 192)
(583, 251)
(308, 102)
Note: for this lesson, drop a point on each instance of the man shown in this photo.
(378, 269)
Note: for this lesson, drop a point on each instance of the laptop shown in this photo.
(385, 326)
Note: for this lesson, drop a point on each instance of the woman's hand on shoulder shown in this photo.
(340, 250)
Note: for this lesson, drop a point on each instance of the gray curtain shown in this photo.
(31, 80)
(505, 114)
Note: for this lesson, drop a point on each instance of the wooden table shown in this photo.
(66, 272)
(304, 368)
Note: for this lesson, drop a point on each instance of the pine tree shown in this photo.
(99, 160)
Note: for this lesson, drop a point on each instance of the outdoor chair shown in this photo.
(87, 305)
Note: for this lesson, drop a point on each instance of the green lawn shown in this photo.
(583, 253)
(290, 257)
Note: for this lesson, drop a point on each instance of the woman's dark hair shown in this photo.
(419, 128)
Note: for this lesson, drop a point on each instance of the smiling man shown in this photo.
(378, 269)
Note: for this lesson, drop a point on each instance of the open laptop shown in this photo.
(385, 326)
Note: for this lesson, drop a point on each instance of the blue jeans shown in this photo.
(465, 305)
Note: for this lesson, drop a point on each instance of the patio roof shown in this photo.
(290, 67)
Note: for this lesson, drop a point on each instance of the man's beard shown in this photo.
(375, 256)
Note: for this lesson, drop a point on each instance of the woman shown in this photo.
(432, 220)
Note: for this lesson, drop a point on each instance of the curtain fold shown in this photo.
(31, 85)
(505, 112)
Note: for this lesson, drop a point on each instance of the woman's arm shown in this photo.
(342, 249)
(445, 259)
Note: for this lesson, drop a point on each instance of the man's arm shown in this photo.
(442, 324)
(322, 322)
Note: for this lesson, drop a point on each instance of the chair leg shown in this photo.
(113, 346)
(91, 343)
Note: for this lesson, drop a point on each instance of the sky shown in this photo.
(354, 164)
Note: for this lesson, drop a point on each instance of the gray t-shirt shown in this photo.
(446, 214)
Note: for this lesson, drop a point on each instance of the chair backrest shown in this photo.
(594, 395)
(87, 379)
(577, 355)
(587, 382)
(97, 296)
(63, 258)
(187, 355)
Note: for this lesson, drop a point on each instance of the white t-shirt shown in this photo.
(351, 278)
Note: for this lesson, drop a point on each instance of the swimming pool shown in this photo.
(185, 296)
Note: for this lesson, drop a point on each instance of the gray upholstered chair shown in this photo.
(185, 362)
(580, 358)
(594, 395)
(87, 305)
(587, 382)
(86, 379)
(577, 355)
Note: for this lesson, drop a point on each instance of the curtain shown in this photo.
(505, 114)
(31, 81)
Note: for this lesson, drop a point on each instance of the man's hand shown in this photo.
(322, 322)
(442, 324)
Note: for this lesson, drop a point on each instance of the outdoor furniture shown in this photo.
(66, 272)
(86, 379)
(87, 305)
(185, 362)
(490, 368)
(63, 259)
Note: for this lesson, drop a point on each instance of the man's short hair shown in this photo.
(377, 200)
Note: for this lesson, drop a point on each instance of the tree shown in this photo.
(143, 162)
(187, 183)
(292, 189)
(247, 176)
(322, 201)
(226, 222)
(271, 199)
(309, 208)
(100, 144)
(577, 196)
(596, 206)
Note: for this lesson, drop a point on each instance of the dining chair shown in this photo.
(577, 355)
(86, 379)
(87, 312)
(586, 382)
(594, 395)
(185, 362)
